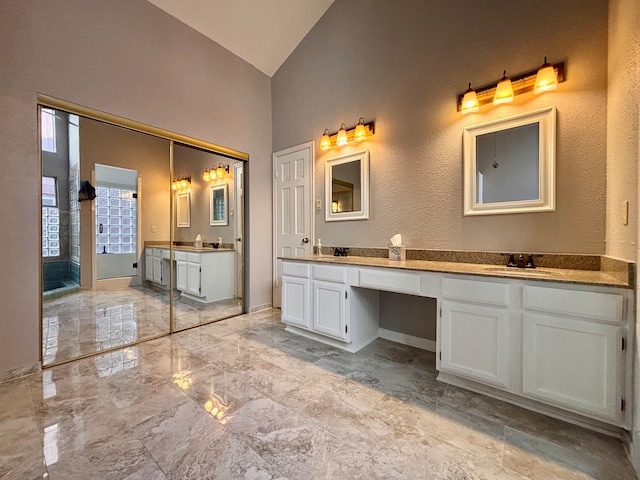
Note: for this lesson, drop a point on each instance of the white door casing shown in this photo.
(292, 207)
(238, 176)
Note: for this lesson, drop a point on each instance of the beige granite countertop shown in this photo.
(585, 277)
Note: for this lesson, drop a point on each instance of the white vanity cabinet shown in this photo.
(318, 302)
(296, 294)
(474, 330)
(204, 276)
(156, 266)
(573, 350)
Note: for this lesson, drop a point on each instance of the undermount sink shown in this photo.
(522, 272)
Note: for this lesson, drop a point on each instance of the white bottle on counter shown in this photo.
(319, 246)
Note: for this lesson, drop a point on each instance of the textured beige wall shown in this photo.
(133, 60)
(402, 64)
(623, 98)
(623, 148)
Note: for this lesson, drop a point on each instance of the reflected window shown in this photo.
(50, 218)
(48, 130)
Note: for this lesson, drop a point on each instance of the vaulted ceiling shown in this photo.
(262, 32)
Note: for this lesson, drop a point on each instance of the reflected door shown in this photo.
(116, 221)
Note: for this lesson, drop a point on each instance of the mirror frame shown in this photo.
(363, 213)
(546, 201)
(212, 190)
(180, 213)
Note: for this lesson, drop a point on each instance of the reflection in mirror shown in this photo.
(94, 295)
(510, 165)
(208, 278)
(346, 187)
(218, 205)
(183, 210)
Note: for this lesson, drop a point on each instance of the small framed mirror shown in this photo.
(183, 209)
(509, 164)
(347, 187)
(218, 205)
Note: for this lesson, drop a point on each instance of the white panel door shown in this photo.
(573, 363)
(181, 275)
(296, 301)
(475, 342)
(329, 309)
(193, 280)
(293, 212)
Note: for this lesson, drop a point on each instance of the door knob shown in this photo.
(305, 240)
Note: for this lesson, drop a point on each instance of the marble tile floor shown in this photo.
(242, 398)
(87, 322)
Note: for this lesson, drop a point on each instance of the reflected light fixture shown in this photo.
(546, 79)
(540, 80)
(470, 101)
(206, 176)
(216, 171)
(181, 183)
(360, 133)
(342, 136)
(334, 207)
(504, 91)
(222, 170)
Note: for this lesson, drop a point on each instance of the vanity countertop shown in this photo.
(560, 275)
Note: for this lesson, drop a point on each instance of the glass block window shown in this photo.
(116, 213)
(48, 129)
(50, 218)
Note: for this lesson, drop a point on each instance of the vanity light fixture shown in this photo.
(504, 91)
(546, 79)
(181, 183)
(343, 136)
(470, 101)
(541, 80)
(216, 171)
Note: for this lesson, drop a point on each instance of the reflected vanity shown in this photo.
(509, 165)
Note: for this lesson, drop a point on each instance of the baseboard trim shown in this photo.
(259, 308)
(405, 339)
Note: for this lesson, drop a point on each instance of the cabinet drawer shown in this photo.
(193, 257)
(178, 255)
(157, 252)
(296, 269)
(330, 273)
(604, 307)
(165, 253)
(486, 292)
(403, 282)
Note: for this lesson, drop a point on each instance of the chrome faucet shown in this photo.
(519, 261)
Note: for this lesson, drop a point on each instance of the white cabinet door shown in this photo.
(148, 267)
(296, 301)
(329, 309)
(573, 363)
(475, 342)
(157, 269)
(181, 275)
(193, 278)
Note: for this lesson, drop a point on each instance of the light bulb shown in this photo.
(325, 141)
(546, 79)
(470, 101)
(342, 136)
(504, 91)
(206, 176)
(360, 133)
(183, 183)
(174, 185)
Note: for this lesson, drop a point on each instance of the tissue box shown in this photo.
(397, 252)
